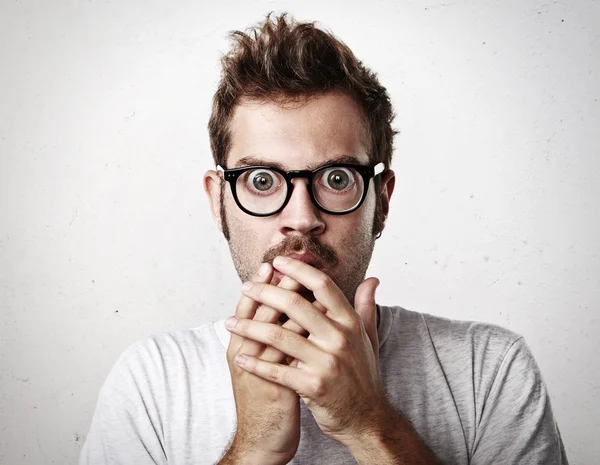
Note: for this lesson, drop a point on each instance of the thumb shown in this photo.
(364, 304)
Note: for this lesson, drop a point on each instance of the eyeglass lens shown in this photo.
(335, 189)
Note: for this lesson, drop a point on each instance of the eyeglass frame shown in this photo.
(367, 172)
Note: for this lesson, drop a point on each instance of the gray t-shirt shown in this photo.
(472, 391)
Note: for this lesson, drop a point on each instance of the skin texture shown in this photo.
(331, 337)
(296, 136)
(337, 373)
(268, 415)
(336, 369)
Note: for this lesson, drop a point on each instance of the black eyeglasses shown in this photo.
(335, 189)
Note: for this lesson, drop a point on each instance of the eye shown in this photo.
(337, 178)
(262, 180)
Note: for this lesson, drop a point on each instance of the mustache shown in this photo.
(301, 244)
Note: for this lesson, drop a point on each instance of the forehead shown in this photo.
(298, 135)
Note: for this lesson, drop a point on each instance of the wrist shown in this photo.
(391, 441)
(372, 439)
(240, 453)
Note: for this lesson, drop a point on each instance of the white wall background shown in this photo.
(105, 235)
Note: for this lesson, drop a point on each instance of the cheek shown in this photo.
(350, 231)
(254, 232)
(370, 204)
(361, 219)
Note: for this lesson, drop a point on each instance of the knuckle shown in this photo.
(273, 372)
(317, 388)
(276, 334)
(340, 343)
(324, 282)
(286, 379)
(332, 364)
(296, 300)
(354, 323)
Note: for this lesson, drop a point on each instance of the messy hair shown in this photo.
(282, 60)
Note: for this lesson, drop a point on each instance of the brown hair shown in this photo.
(284, 60)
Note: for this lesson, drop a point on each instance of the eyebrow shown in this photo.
(255, 161)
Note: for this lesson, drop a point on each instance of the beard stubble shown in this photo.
(347, 274)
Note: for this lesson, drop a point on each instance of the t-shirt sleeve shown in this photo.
(517, 425)
(125, 429)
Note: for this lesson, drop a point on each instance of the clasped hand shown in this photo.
(335, 369)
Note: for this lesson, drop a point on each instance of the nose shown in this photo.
(300, 215)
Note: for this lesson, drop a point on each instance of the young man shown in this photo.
(310, 370)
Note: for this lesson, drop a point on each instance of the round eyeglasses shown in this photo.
(335, 189)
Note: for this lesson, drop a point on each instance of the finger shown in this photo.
(322, 286)
(248, 307)
(276, 336)
(271, 354)
(269, 314)
(365, 306)
(292, 304)
(283, 375)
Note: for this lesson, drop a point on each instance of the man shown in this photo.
(310, 370)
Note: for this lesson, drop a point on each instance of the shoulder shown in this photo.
(160, 357)
(485, 338)
(453, 335)
(202, 341)
(494, 381)
(457, 346)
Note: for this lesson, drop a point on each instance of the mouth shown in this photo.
(307, 258)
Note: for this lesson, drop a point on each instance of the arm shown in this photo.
(238, 455)
(335, 371)
(393, 442)
(268, 415)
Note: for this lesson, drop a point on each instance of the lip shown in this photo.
(307, 258)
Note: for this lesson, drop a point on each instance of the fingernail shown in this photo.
(231, 322)
(280, 261)
(241, 359)
(247, 286)
(263, 270)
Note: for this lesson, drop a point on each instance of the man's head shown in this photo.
(292, 96)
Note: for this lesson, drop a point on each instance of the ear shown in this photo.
(388, 182)
(212, 187)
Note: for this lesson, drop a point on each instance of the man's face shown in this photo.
(298, 136)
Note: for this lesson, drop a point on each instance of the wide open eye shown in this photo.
(262, 181)
(337, 178)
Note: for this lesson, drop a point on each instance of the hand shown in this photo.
(336, 371)
(268, 414)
